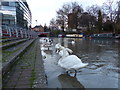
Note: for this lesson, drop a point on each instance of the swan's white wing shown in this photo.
(63, 53)
(69, 61)
(79, 65)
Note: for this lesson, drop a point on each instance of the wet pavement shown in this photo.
(28, 71)
(102, 55)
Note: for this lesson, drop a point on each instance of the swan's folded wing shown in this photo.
(69, 62)
(80, 65)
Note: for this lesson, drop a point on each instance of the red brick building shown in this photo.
(39, 28)
(72, 21)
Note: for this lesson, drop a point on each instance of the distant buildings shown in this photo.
(38, 28)
(80, 22)
(55, 27)
(41, 31)
(72, 21)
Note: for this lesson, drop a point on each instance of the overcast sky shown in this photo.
(44, 10)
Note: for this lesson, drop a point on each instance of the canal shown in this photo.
(102, 55)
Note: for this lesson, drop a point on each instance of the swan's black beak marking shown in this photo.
(57, 50)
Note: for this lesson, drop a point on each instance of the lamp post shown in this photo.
(36, 22)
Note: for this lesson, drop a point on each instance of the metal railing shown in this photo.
(16, 32)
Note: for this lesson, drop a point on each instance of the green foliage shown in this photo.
(108, 26)
(56, 32)
(90, 32)
(33, 77)
(99, 21)
(7, 54)
(118, 28)
(71, 32)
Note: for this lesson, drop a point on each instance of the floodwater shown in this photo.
(102, 55)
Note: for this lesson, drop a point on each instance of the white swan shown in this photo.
(59, 47)
(70, 62)
(46, 43)
(73, 42)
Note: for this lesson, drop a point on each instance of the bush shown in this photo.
(55, 32)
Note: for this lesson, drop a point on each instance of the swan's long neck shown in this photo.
(64, 53)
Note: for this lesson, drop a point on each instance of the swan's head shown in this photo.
(58, 47)
(63, 52)
(73, 42)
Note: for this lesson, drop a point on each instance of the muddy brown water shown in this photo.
(102, 55)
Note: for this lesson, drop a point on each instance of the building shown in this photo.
(81, 22)
(38, 28)
(15, 12)
(55, 27)
(72, 21)
(16, 18)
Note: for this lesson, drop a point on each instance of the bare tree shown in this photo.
(76, 7)
(62, 14)
(93, 16)
(52, 22)
(61, 18)
(93, 10)
(110, 8)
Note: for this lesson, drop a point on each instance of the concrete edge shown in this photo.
(39, 57)
(9, 40)
(12, 44)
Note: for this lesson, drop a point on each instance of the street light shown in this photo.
(36, 22)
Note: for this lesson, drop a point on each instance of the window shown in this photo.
(5, 3)
(6, 22)
(11, 3)
(7, 8)
(12, 22)
(3, 27)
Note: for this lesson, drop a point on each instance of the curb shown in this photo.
(11, 44)
(12, 39)
(9, 64)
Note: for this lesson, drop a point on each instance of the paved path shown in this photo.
(13, 55)
(11, 43)
(28, 71)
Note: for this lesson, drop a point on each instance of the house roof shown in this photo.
(38, 26)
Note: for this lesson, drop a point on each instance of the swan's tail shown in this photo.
(84, 64)
(78, 66)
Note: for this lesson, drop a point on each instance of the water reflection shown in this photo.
(103, 58)
(105, 41)
(68, 81)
